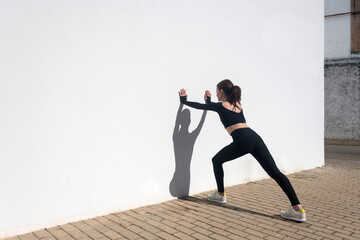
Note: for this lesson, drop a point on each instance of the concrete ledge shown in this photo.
(345, 142)
(338, 61)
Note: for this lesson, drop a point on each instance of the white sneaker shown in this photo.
(292, 214)
(215, 197)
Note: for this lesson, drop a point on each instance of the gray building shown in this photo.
(342, 70)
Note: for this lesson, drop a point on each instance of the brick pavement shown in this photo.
(330, 195)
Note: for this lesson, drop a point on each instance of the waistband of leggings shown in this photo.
(240, 131)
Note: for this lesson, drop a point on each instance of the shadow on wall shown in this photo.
(184, 142)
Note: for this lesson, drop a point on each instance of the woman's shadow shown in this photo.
(184, 142)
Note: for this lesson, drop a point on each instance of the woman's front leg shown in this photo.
(228, 153)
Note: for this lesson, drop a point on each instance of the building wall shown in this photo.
(337, 29)
(338, 36)
(342, 86)
(337, 6)
(89, 100)
(342, 98)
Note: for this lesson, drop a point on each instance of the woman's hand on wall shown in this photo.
(182, 92)
(207, 94)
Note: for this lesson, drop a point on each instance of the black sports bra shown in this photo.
(227, 116)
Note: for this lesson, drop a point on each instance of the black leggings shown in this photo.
(245, 140)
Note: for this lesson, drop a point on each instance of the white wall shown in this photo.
(88, 98)
(337, 29)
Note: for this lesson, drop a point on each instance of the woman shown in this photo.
(245, 140)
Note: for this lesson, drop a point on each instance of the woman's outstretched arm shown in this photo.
(208, 106)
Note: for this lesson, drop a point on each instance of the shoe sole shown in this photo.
(216, 201)
(294, 219)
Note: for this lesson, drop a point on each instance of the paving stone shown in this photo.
(148, 235)
(43, 234)
(28, 236)
(184, 236)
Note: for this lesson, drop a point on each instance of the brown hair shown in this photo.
(232, 92)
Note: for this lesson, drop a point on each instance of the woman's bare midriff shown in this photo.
(232, 128)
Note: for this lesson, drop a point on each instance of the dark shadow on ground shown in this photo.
(234, 208)
(227, 206)
(184, 142)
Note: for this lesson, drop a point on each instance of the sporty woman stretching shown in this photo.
(245, 140)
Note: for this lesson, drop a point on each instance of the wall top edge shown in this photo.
(343, 60)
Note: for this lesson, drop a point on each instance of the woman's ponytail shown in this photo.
(236, 94)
